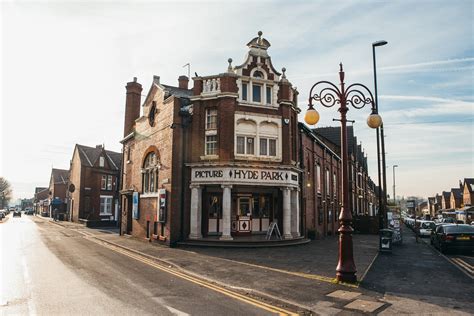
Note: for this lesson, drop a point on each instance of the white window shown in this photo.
(256, 93)
(244, 91)
(211, 145)
(258, 137)
(267, 147)
(103, 182)
(327, 182)
(258, 89)
(269, 95)
(245, 145)
(106, 205)
(109, 182)
(211, 119)
(101, 161)
(318, 178)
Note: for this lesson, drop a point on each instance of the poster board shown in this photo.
(135, 204)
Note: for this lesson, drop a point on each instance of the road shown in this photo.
(420, 273)
(50, 270)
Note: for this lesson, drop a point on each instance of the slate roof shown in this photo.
(446, 195)
(457, 193)
(182, 93)
(90, 155)
(39, 189)
(470, 184)
(333, 134)
(60, 176)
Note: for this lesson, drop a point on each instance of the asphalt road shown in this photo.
(49, 270)
(417, 271)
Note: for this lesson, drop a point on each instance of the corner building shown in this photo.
(224, 155)
(243, 162)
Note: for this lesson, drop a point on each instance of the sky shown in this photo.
(64, 67)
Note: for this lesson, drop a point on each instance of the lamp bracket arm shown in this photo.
(328, 96)
(355, 95)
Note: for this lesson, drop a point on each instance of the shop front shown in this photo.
(233, 202)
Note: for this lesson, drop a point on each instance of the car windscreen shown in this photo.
(459, 229)
(428, 225)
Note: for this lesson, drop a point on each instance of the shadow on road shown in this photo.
(417, 271)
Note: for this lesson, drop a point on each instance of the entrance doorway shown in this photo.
(252, 212)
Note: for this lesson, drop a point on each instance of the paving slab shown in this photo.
(344, 295)
(364, 306)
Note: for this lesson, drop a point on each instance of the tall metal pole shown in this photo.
(380, 143)
(381, 210)
(346, 269)
(394, 198)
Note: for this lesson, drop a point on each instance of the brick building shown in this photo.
(41, 195)
(322, 196)
(93, 186)
(220, 160)
(223, 160)
(57, 191)
(467, 187)
(362, 198)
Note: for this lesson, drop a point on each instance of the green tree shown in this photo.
(5, 192)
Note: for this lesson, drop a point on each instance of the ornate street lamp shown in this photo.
(328, 95)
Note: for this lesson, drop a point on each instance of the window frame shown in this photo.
(105, 204)
(150, 173)
(211, 119)
(207, 144)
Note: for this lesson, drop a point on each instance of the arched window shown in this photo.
(257, 89)
(150, 170)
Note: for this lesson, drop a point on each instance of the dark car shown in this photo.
(29, 212)
(454, 237)
(17, 213)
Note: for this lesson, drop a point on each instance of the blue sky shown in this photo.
(65, 65)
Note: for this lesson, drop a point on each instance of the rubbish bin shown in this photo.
(385, 241)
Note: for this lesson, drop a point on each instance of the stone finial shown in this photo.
(283, 70)
(229, 69)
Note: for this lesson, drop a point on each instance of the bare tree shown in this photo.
(5, 192)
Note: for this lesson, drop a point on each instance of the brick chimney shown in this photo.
(183, 82)
(132, 105)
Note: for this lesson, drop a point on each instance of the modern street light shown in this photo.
(380, 142)
(328, 95)
(394, 198)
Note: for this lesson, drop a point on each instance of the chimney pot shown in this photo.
(134, 79)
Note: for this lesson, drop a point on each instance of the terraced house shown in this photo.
(93, 186)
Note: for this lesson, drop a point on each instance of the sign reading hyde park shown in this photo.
(218, 175)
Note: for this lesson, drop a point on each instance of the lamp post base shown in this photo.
(346, 277)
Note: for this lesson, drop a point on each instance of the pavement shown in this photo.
(411, 280)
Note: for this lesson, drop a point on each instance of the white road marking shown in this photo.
(28, 284)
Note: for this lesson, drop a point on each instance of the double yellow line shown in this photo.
(466, 266)
(211, 286)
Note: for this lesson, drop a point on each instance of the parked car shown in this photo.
(454, 237)
(29, 212)
(17, 213)
(2, 214)
(426, 227)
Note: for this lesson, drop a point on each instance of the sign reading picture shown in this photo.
(244, 175)
(135, 202)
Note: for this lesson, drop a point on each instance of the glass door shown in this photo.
(244, 213)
